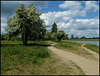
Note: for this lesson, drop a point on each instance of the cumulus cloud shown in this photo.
(60, 17)
(65, 21)
(83, 27)
(91, 6)
(71, 5)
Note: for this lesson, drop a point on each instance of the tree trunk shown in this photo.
(59, 39)
(24, 38)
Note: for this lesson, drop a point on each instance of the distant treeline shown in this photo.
(93, 38)
(72, 37)
(48, 37)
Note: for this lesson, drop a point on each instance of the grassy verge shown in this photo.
(34, 59)
(74, 48)
(92, 47)
(82, 40)
(15, 58)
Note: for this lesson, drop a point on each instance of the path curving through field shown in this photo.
(89, 67)
(90, 51)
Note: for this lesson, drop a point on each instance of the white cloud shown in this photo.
(91, 6)
(60, 17)
(83, 27)
(71, 5)
(77, 27)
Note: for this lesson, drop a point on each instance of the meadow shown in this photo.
(33, 59)
(92, 47)
(15, 55)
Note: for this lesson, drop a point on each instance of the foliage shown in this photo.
(76, 37)
(83, 40)
(54, 28)
(66, 37)
(60, 35)
(72, 36)
(15, 38)
(48, 36)
(4, 37)
(26, 22)
(54, 36)
(83, 37)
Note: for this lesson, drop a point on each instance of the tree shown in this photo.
(15, 38)
(4, 37)
(83, 37)
(72, 36)
(26, 22)
(60, 35)
(54, 36)
(66, 36)
(76, 37)
(48, 36)
(54, 28)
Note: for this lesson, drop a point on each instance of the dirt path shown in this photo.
(89, 67)
(95, 54)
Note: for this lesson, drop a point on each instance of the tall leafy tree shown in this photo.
(48, 36)
(76, 37)
(25, 22)
(72, 36)
(54, 28)
(83, 37)
(54, 36)
(60, 35)
(66, 36)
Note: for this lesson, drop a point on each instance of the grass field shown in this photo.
(92, 47)
(14, 55)
(34, 59)
(82, 40)
(74, 48)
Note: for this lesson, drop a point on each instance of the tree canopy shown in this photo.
(54, 28)
(60, 35)
(72, 36)
(26, 22)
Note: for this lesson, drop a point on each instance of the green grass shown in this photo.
(92, 47)
(74, 48)
(13, 56)
(34, 59)
(82, 40)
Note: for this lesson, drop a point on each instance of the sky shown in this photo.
(78, 18)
